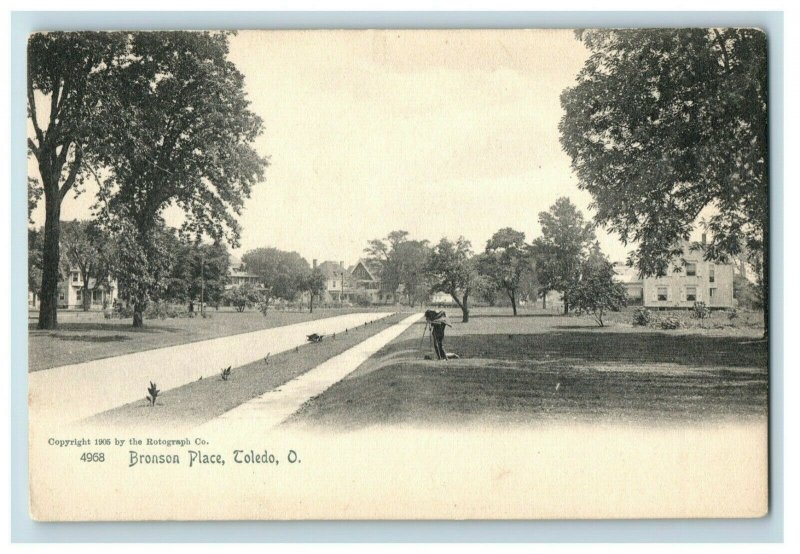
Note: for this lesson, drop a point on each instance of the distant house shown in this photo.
(338, 283)
(238, 275)
(696, 280)
(70, 293)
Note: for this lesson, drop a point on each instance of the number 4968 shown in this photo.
(93, 457)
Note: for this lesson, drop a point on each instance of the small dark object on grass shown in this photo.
(427, 356)
(314, 337)
(226, 373)
(152, 394)
(297, 349)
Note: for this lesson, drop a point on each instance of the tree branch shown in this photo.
(73, 173)
(32, 108)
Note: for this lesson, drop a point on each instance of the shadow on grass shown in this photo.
(91, 338)
(593, 346)
(95, 326)
(481, 316)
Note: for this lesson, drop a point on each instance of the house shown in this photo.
(70, 292)
(238, 275)
(696, 280)
(366, 277)
(339, 287)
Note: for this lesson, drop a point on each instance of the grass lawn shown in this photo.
(198, 402)
(84, 336)
(541, 366)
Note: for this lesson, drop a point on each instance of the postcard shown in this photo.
(398, 274)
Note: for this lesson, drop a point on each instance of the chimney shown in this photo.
(342, 264)
(314, 263)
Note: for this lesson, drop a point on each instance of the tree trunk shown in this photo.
(87, 299)
(566, 306)
(513, 298)
(311, 303)
(48, 297)
(138, 315)
(544, 301)
(465, 308)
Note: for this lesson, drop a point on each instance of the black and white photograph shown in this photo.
(398, 274)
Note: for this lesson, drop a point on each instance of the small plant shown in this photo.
(641, 317)
(152, 394)
(226, 373)
(733, 314)
(701, 311)
(670, 322)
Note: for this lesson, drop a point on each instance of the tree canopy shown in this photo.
(189, 141)
(506, 262)
(281, 273)
(68, 82)
(452, 270)
(562, 248)
(664, 124)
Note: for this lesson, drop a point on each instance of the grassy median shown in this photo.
(196, 403)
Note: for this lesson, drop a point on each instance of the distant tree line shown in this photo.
(566, 258)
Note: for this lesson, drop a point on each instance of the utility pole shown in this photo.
(202, 284)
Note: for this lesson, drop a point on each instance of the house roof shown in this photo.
(331, 269)
(372, 268)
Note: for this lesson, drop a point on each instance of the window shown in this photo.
(691, 269)
(61, 296)
(711, 275)
(712, 293)
(662, 294)
(691, 294)
(78, 294)
(74, 277)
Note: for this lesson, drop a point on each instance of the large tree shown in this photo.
(596, 291)
(402, 262)
(562, 248)
(67, 85)
(85, 249)
(506, 262)
(199, 272)
(451, 269)
(664, 124)
(385, 253)
(188, 142)
(282, 273)
(314, 284)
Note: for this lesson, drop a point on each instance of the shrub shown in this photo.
(733, 314)
(670, 322)
(641, 317)
(701, 311)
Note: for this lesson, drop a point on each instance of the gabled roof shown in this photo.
(371, 271)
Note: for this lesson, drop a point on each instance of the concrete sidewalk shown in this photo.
(73, 392)
(275, 406)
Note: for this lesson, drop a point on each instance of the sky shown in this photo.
(438, 133)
